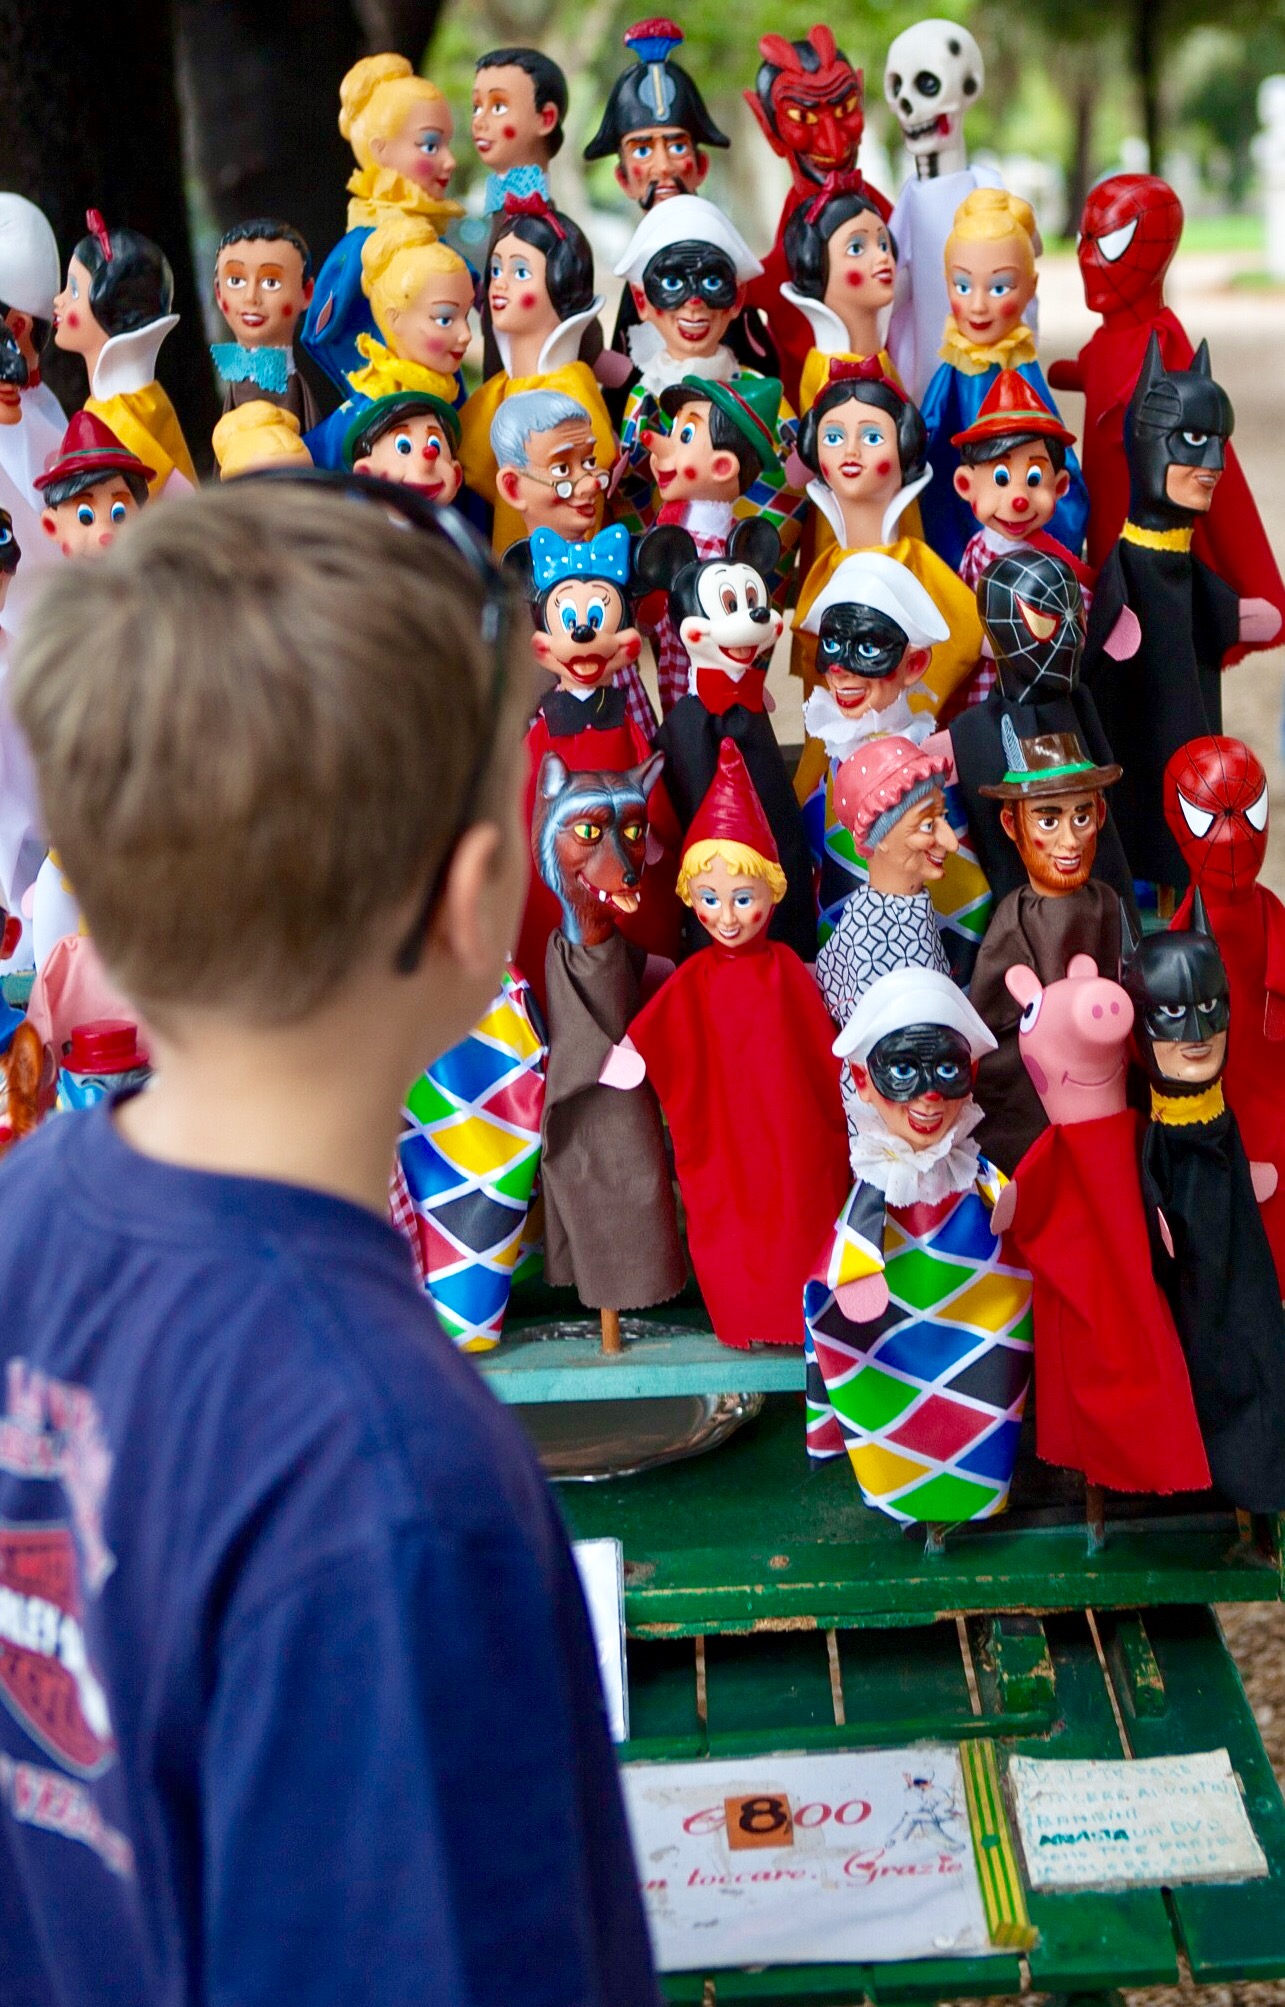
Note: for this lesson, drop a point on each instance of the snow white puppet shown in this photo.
(400, 127)
(114, 312)
(541, 298)
(843, 269)
(420, 294)
(991, 280)
(760, 1145)
(918, 1318)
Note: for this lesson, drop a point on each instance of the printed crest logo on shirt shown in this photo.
(46, 1680)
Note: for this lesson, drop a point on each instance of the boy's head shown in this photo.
(546, 460)
(688, 269)
(411, 437)
(721, 437)
(206, 705)
(1012, 470)
(876, 629)
(519, 103)
(90, 488)
(262, 282)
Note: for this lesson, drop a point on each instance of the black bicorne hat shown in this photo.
(655, 92)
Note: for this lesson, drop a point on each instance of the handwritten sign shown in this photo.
(800, 1860)
(1163, 1820)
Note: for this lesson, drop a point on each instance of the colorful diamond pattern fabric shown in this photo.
(927, 1400)
(469, 1155)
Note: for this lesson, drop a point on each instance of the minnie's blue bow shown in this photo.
(603, 556)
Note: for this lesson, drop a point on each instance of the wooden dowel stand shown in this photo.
(611, 1339)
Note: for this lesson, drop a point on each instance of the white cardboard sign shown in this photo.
(601, 1565)
(854, 1857)
(1158, 1821)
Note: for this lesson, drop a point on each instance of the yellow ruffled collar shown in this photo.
(1180, 1111)
(386, 374)
(376, 191)
(971, 359)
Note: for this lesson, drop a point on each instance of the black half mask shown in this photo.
(9, 547)
(861, 640)
(1178, 988)
(1177, 417)
(690, 271)
(921, 1059)
(1031, 608)
(13, 364)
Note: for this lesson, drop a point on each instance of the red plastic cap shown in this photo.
(108, 1045)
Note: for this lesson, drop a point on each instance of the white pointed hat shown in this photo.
(910, 996)
(29, 270)
(686, 219)
(870, 578)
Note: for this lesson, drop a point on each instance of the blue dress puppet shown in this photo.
(399, 127)
(991, 280)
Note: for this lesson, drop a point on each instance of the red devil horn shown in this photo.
(822, 40)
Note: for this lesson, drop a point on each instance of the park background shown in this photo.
(182, 117)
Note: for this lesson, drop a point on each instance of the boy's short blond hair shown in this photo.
(255, 721)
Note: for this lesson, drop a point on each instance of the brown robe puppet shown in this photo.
(1053, 806)
(610, 1225)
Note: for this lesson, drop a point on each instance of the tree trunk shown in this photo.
(1084, 98)
(91, 120)
(1147, 30)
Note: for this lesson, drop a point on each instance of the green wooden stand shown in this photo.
(768, 1610)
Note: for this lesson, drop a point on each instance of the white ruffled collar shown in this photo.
(560, 347)
(127, 362)
(658, 369)
(906, 1176)
(841, 735)
(827, 504)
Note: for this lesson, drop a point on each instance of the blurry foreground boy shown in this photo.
(300, 1704)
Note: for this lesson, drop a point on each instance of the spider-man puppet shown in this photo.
(808, 100)
(1216, 808)
(1128, 235)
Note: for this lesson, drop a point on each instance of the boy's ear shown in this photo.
(452, 475)
(964, 482)
(308, 289)
(1062, 484)
(506, 484)
(641, 303)
(621, 178)
(914, 664)
(1008, 822)
(49, 522)
(723, 466)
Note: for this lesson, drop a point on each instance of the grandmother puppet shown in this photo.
(758, 1134)
(114, 312)
(925, 1397)
(399, 126)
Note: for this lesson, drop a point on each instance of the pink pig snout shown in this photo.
(1099, 1013)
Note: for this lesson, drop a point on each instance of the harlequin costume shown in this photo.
(1128, 235)
(1220, 1277)
(1169, 690)
(737, 1046)
(927, 1396)
(596, 734)
(1216, 806)
(468, 1158)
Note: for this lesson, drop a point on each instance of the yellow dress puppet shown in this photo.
(114, 312)
(540, 290)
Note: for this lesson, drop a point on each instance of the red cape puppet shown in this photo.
(737, 1046)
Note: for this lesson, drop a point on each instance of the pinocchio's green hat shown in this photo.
(380, 414)
(753, 403)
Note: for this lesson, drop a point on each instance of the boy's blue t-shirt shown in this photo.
(299, 1699)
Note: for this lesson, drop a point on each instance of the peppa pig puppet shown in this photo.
(1112, 1395)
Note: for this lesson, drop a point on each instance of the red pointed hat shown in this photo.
(1013, 405)
(731, 811)
(90, 447)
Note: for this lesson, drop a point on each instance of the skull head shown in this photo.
(933, 73)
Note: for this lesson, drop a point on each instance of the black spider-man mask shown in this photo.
(861, 640)
(1031, 609)
(690, 271)
(1178, 987)
(1178, 417)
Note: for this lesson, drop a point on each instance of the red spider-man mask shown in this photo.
(1216, 806)
(1128, 234)
(808, 100)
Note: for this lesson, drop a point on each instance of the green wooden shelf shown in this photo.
(568, 1363)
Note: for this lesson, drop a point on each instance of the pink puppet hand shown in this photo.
(940, 745)
(1264, 1180)
(1165, 1235)
(797, 472)
(1125, 637)
(624, 1066)
(612, 368)
(861, 1302)
(1003, 1209)
(1259, 620)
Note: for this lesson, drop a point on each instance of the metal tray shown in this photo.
(587, 1442)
